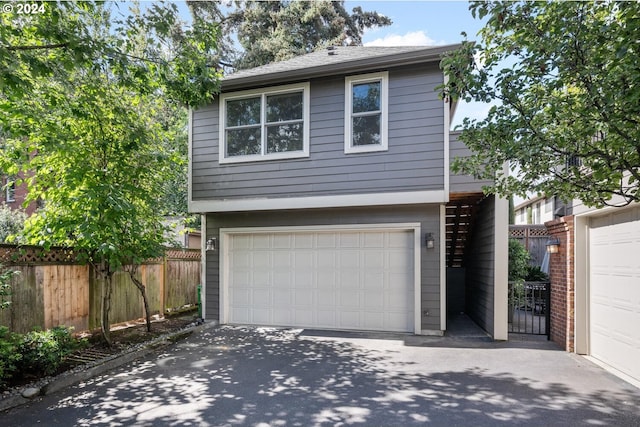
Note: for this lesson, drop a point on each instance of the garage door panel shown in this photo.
(614, 290)
(326, 279)
(374, 240)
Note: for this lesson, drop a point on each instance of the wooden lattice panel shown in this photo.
(11, 254)
(194, 254)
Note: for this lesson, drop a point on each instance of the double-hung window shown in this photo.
(366, 109)
(265, 124)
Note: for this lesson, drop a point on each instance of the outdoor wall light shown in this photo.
(429, 240)
(212, 244)
(553, 245)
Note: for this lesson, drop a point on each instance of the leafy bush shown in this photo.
(5, 286)
(518, 260)
(9, 355)
(535, 274)
(44, 351)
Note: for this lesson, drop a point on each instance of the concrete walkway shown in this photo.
(264, 376)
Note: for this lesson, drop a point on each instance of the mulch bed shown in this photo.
(123, 336)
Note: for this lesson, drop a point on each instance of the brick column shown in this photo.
(561, 275)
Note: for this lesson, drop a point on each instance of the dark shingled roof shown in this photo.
(334, 60)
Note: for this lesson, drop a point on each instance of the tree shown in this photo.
(566, 81)
(11, 224)
(271, 31)
(83, 97)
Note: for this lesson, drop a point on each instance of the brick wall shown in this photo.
(561, 275)
(20, 195)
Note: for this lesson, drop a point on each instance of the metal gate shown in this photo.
(529, 308)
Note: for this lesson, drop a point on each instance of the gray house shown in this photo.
(327, 199)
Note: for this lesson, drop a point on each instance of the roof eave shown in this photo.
(405, 58)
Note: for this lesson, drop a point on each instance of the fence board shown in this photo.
(534, 237)
(66, 295)
(51, 291)
(183, 277)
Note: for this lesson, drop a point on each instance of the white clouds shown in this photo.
(413, 38)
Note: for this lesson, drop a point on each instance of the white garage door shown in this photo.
(614, 259)
(359, 280)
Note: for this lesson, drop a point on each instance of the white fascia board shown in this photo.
(338, 201)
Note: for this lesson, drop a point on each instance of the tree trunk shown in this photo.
(143, 291)
(103, 273)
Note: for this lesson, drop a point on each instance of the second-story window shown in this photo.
(265, 125)
(10, 189)
(366, 110)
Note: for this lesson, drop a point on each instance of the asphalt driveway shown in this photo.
(263, 376)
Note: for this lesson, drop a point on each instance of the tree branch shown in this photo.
(37, 47)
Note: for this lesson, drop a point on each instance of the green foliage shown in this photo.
(535, 274)
(565, 88)
(89, 114)
(518, 260)
(278, 30)
(42, 352)
(11, 224)
(9, 355)
(6, 276)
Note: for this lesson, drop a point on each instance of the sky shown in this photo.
(428, 23)
(418, 23)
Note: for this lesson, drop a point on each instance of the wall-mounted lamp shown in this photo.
(429, 241)
(553, 245)
(212, 244)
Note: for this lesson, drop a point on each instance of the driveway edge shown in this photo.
(99, 367)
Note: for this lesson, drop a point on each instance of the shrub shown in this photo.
(5, 286)
(9, 354)
(535, 274)
(518, 260)
(44, 351)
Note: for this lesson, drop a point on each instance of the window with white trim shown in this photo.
(366, 110)
(265, 124)
(10, 189)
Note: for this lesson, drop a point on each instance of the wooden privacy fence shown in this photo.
(534, 237)
(53, 289)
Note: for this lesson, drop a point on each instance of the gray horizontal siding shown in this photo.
(459, 183)
(427, 215)
(414, 161)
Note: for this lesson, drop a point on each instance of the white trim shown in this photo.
(443, 267)
(263, 93)
(349, 81)
(417, 287)
(190, 154)
(226, 233)
(203, 266)
(343, 200)
(447, 154)
(581, 283)
(501, 273)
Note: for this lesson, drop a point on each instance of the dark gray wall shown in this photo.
(414, 160)
(459, 183)
(427, 215)
(479, 266)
